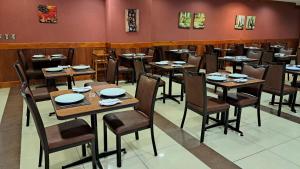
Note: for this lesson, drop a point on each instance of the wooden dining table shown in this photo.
(171, 69)
(90, 107)
(68, 73)
(235, 62)
(295, 74)
(227, 85)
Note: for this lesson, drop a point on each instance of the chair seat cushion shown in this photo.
(240, 99)
(126, 121)
(41, 94)
(286, 90)
(214, 105)
(95, 84)
(68, 133)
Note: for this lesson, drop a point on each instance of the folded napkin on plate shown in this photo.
(79, 89)
(108, 102)
(176, 65)
(64, 66)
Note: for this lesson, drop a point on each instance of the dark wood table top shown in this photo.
(92, 108)
(230, 84)
(67, 72)
(238, 60)
(170, 67)
(48, 58)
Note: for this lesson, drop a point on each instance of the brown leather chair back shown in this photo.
(266, 46)
(27, 95)
(195, 89)
(298, 57)
(146, 91)
(196, 61)
(111, 71)
(150, 52)
(255, 54)
(211, 62)
(138, 68)
(257, 72)
(192, 47)
(267, 57)
(239, 50)
(21, 73)
(275, 77)
(22, 59)
(71, 52)
(209, 49)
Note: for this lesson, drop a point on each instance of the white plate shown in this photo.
(38, 56)
(176, 65)
(128, 54)
(69, 98)
(109, 102)
(54, 69)
(216, 78)
(162, 63)
(57, 55)
(240, 80)
(174, 50)
(140, 54)
(293, 68)
(112, 92)
(215, 74)
(179, 62)
(81, 89)
(81, 67)
(237, 75)
(228, 57)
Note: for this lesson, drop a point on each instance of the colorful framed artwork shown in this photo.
(199, 20)
(185, 20)
(250, 22)
(132, 20)
(239, 22)
(47, 13)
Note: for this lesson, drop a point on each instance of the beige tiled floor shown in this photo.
(276, 144)
(3, 95)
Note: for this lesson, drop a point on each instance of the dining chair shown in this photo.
(239, 49)
(30, 72)
(192, 48)
(250, 95)
(39, 94)
(111, 71)
(61, 136)
(69, 61)
(267, 57)
(146, 63)
(275, 85)
(140, 70)
(198, 101)
(209, 49)
(121, 69)
(266, 46)
(255, 54)
(178, 78)
(298, 57)
(132, 121)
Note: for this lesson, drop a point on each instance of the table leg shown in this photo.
(69, 79)
(234, 68)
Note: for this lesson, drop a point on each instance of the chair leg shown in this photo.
(41, 155)
(273, 99)
(238, 121)
(181, 93)
(183, 118)
(46, 160)
(218, 116)
(258, 115)
(117, 78)
(294, 102)
(105, 137)
(215, 89)
(279, 106)
(119, 160)
(137, 135)
(164, 94)
(153, 141)
(203, 128)
(27, 116)
(226, 122)
(73, 80)
(94, 163)
(83, 148)
(235, 111)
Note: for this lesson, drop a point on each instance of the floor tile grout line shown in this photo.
(283, 158)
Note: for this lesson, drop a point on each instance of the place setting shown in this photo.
(81, 67)
(112, 96)
(56, 56)
(70, 100)
(234, 77)
(54, 69)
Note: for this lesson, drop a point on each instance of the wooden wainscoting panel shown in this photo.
(52, 45)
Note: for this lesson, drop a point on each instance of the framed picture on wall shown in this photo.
(199, 20)
(239, 22)
(250, 22)
(185, 20)
(47, 13)
(132, 20)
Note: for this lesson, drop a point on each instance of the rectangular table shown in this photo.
(235, 61)
(170, 69)
(230, 84)
(92, 110)
(69, 73)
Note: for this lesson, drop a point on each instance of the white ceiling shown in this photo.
(295, 1)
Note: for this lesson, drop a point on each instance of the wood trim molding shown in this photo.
(130, 45)
(52, 45)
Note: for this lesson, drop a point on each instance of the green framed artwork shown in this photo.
(239, 22)
(185, 20)
(250, 22)
(199, 20)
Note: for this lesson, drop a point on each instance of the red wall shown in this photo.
(103, 20)
(78, 21)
